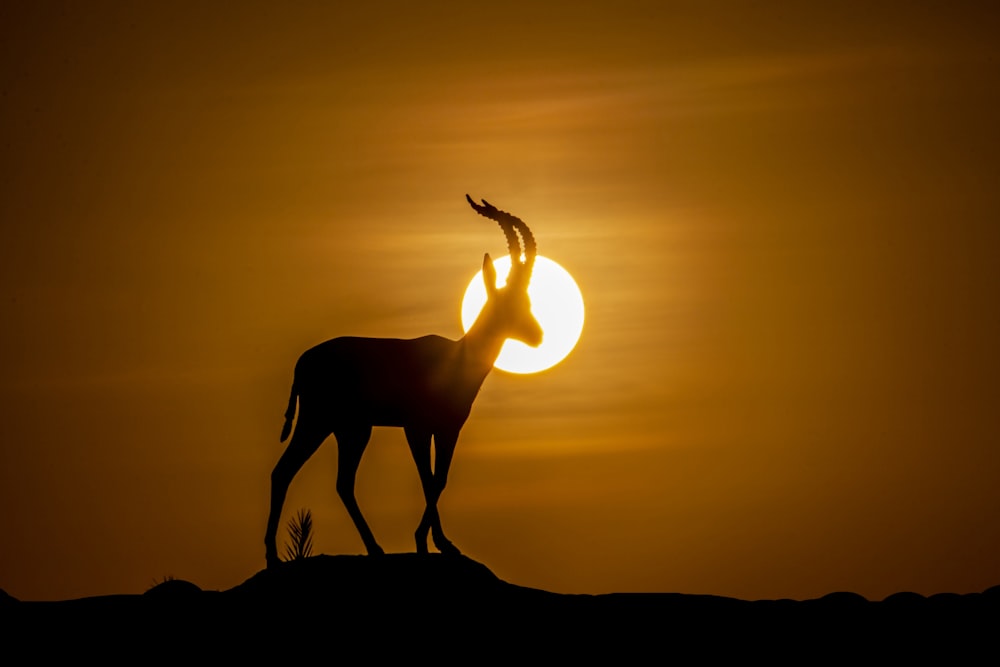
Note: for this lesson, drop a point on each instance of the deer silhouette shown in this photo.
(346, 386)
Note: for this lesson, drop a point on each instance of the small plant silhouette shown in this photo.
(300, 530)
(167, 578)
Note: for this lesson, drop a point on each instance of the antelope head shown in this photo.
(507, 312)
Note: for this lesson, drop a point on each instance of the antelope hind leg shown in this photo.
(350, 447)
(304, 443)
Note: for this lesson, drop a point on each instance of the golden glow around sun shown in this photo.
(556, 303)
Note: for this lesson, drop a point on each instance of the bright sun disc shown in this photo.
(556, 303)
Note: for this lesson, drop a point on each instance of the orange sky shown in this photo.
(784, 222)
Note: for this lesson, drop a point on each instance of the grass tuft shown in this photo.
(300, 531)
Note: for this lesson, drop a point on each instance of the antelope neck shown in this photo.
(482, 344)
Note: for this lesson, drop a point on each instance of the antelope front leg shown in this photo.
(444, 448)
(420, 448)
(432, 482)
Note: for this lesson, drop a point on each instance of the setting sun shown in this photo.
(556, 303)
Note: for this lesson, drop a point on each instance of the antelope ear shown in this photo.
(489, 276)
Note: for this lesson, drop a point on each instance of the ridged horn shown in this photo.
(487, 210)
(509, 223)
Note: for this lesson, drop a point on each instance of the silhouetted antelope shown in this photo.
(426, 385)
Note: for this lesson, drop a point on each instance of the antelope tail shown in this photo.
(289, 413)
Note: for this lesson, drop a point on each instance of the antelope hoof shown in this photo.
(446, 547)
(375, 550)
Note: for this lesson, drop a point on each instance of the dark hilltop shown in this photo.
(378, 605)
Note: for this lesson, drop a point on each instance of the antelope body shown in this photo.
(347, 386)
